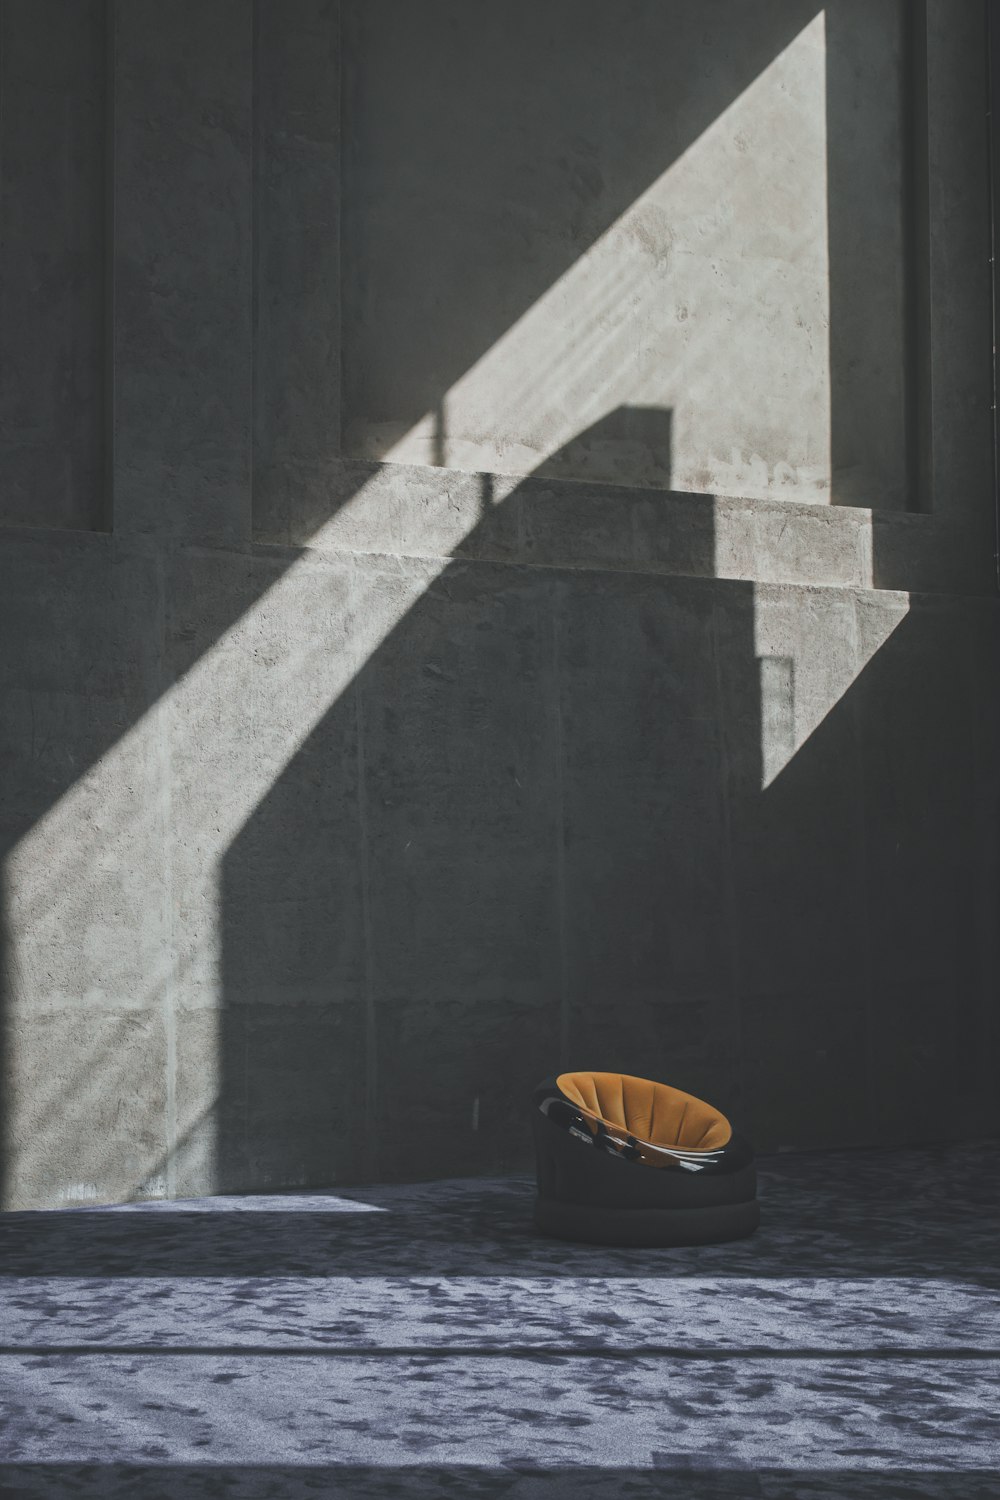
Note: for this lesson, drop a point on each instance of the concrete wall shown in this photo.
(514, 283)
(341, 800)
(52, 271)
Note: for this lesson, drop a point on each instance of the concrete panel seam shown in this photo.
(560, 828)
(371, 1017)
(729, 877)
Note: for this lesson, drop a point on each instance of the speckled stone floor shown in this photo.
(420, 1341)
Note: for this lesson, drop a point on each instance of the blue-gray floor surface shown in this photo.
(412, 1341)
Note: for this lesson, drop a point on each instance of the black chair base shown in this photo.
(646, 1227)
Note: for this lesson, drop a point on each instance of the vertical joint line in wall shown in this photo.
(993, 141)
(254, 247)
(729, 876)
(105, 517)
(338, 415)
(917, 257)
(860, 805)
(371, 1029)
(6, 975)
(163, 712)
(560, 834)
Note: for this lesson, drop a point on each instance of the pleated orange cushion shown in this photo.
(649, 1111)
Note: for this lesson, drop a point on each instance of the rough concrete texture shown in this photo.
(342, 800)
(408, 509)
(656, 296)
(401, 834)
(52, 274)
(183, 268)
(653, 259)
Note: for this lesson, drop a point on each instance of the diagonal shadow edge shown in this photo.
(157, 682)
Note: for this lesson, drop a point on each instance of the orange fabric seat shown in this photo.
(596, 1137)
(652, 1113)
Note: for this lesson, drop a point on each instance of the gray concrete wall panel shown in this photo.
(706, 290)
(183, 269)
(342, 799)
(53, 145)
(297, 206)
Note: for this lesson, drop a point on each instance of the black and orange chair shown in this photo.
(626, 1161)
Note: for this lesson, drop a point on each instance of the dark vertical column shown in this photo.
(183, 269)
(867, 250)
(52, 253)
(993, 106)
(916, 250)
(958, 217)
(296, 262)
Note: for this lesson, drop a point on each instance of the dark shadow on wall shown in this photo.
(491, 819)
(907, 241)
(867, 869)
(878, 251)
(570, 861)
(630, 446)
(925, 800)
(535, 834)
(53, 421)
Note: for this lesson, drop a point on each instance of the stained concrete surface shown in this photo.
(423, 1340)
(340, 800)
(733, 253)
(53, 397)
(335, 896)
(512, 281)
